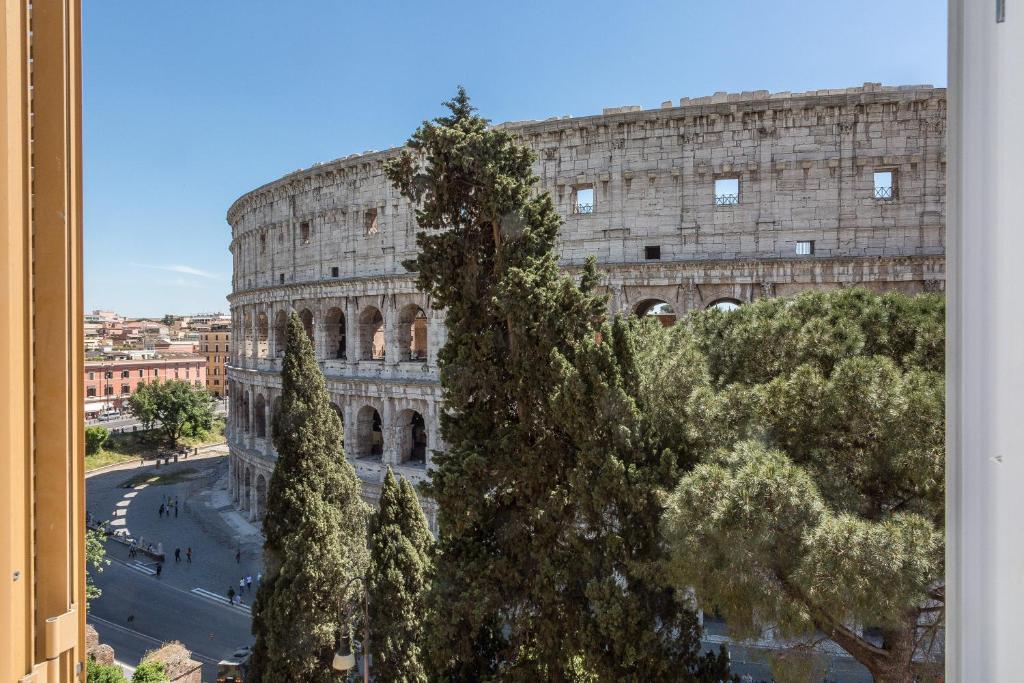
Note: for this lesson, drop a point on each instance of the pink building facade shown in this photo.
(109, 383)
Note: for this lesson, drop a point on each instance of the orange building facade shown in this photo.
(109, 384)
(214, 346)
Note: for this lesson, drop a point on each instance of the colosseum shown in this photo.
(716, 201)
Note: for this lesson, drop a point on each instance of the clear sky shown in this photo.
(189, 104)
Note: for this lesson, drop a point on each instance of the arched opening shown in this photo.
(262, 335)
(247, 335)
(371, 334)
(662, 310)
(247, 493)
(724, 305)
(369, 433)
(412, 438)
(260, 418)
(280, 333)
(275, 408)
(245, 412)
(261, 496)
(412, 333)
(334, 329)
(337, 411)
(306, 316)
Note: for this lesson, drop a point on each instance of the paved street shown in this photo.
(168, 608)
(126, 421)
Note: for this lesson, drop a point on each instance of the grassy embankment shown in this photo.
(135, 445)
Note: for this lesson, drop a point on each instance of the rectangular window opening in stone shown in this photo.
(885, 184)
(281, 278)
(805, 248)
(583, 199)
(652, 253)
(727, 191)
(263, 245)
(370, 222)
(334, 271)
(304, 232)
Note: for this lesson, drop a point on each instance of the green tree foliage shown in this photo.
(400, 546)
(150, 672)
(95, 561)
(104, 673)
(315, 530)
(176, 406)
(544, 565)
(818, 506)
(95, 437)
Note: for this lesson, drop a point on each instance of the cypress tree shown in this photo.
(314, 529)
(532, 578)
(400, 545)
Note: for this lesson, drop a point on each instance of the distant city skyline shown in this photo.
(188, 106)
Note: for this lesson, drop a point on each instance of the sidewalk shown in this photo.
(205, 521)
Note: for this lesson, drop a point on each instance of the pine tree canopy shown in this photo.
(818, 503)
(535, 578)
(400, 546)
(314, 528)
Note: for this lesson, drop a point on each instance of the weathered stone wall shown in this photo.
(329, 240)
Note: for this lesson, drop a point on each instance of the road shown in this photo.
(162, 613)
(127, 421)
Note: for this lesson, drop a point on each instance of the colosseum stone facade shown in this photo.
(717, 201)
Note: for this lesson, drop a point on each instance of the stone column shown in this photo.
(351, 330)
(391, 354)
(389, 433)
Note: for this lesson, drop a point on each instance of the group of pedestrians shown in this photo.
(244, 586)
(167, 505)
(188, 554)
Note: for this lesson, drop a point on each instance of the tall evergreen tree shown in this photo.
(520, 590)
(315, 530)
(400, 545)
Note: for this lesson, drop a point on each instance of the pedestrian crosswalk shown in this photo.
(209, 595)
(142, 567)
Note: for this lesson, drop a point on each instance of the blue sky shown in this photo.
(188, 105)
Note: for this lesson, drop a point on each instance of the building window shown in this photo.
(885, 184)
(216, 382)
(139, 385)
(334, 271)
(125, 389)
(91, 391)
(304, 232)
(141, 371)
(108, 391)
(92, 375)
(652, 253)
(124, 373)
(370, 222)
(805, 248)
(281, 278)
(108, 374)
(263, 244)
(583, 199)
(727, 191)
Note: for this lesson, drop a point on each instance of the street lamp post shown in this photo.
(347, 661)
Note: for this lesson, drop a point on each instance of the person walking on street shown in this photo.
(177, 554)
(175, 508)
(159, 568)
(188, 555)
(161, 509)
(241, 585)
(231, 595)
(238, 556)
(259, 578)
(248, 583)
(131, 550)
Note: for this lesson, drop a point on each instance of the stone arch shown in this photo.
(369, 441)
(261, 497)
(247, 345)
(657, 308)
(280, 332)
(412, 333)
(260, 416)
(371, 334)
(247, 491)
(306, 316)
(334, 333)
(412, 437)
(262, 335)
(725, 304)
